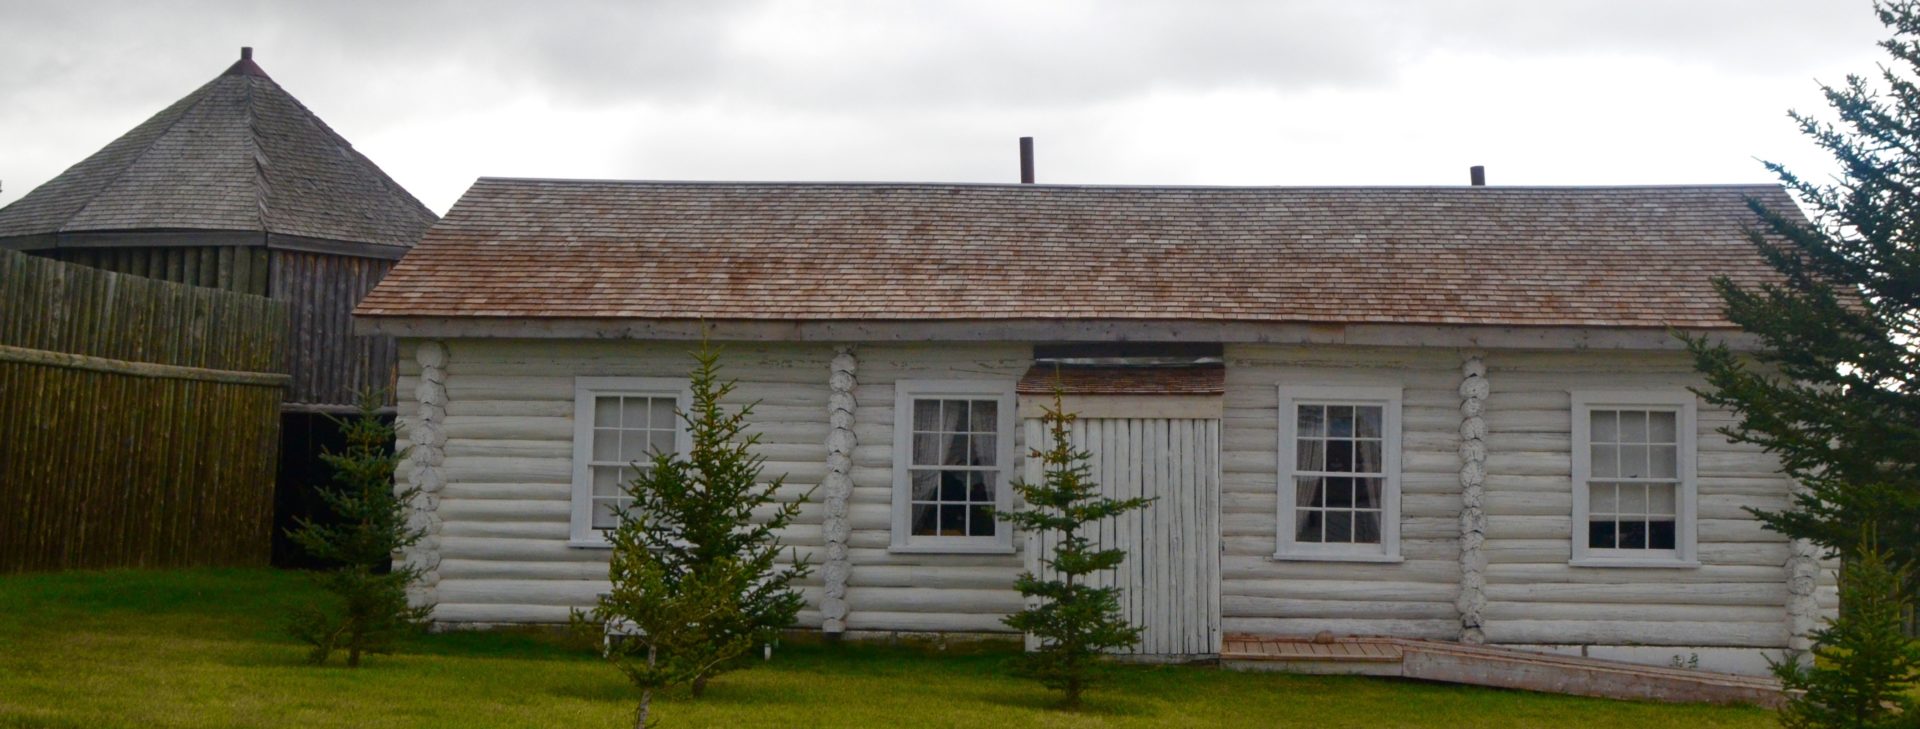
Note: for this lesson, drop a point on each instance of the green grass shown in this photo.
(203, 649)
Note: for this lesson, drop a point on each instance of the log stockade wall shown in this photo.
(139, 419)
(329, 364)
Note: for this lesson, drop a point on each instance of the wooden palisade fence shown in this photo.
(139, 419)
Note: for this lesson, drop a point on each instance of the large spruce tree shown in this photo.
(1835, 390)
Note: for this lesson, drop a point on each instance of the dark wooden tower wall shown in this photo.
(330, 365)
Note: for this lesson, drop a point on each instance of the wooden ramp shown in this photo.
(1432, 660)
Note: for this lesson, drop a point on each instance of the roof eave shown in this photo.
(1052, 330)
(183, 238)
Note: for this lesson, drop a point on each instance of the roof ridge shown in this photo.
(1121, 186)
(261, 185)
(201, 93)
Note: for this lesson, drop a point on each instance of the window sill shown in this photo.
(950, 549)
(1616, 563)
(1309, 557)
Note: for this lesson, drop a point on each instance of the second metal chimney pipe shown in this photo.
(1478, 175)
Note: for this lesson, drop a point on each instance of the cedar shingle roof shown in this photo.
(237, 154)
(1574, 256)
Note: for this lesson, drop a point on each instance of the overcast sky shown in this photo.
(1300, 92)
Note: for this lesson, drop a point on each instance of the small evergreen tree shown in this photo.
(695, 580)
(1074, 622)
(1865, 666)
(1837, 395)
(369, 525)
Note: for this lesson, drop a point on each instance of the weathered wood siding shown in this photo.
(139, 420)
(1170, 581)
(1736, 597)
(1413, 598)
(504, 554)
(230, 268)
(330, 364)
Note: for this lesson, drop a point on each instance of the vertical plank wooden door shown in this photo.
(1170, 582)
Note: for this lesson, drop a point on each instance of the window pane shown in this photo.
(980, 487)
(1312, 422)
(926, 416)
(1633, 498)
(1309, 491)
(1660, 427)
(1603, 498)
(1367, 456)
(926, 449)
(986, 416)
(924, 519)
(1606, 461)
(1340, 421)
(634, 446)
(1339, 527)
(606, 480)
(953, 485)
(980, 521)
(1310, 455)
(661, 441)
(1339, 493)
(953, 449)
(633, 412)
(1367, 421)
(1605, 427)
(953, 520)
(984, 452)
(1660, 501)
(1340, 456)
(1664, 461)
(926, 485)
(664, 417)
(1633, 461)
(1366, 494)
(953, 416)
(1660, 535)
(1306, 526)
(1600, 534)
(1366, 527)
(1633, 426)
(606, 412)
(606, 444)
(604, 516)
(1633, 535)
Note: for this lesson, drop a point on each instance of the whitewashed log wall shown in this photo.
(1738, 596)
(1414, 598)
(508, 444)
(496, 417)
(920, 592)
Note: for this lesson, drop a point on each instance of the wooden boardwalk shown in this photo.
(1431, 660)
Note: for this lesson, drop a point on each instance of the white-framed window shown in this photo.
(1634, 490)
(618, 424)
(1339, 474)
(952, 460)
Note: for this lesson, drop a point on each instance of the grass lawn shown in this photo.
(203, 648)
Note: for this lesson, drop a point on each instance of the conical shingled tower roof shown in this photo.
(237, 162)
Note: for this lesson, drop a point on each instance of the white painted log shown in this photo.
(544, 510)
(1623, 613)
(1266, 607)
(518, 614)
(926, 622)
(1439, 592)
(923, 599)
(1435, 629)
(1707, 633)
